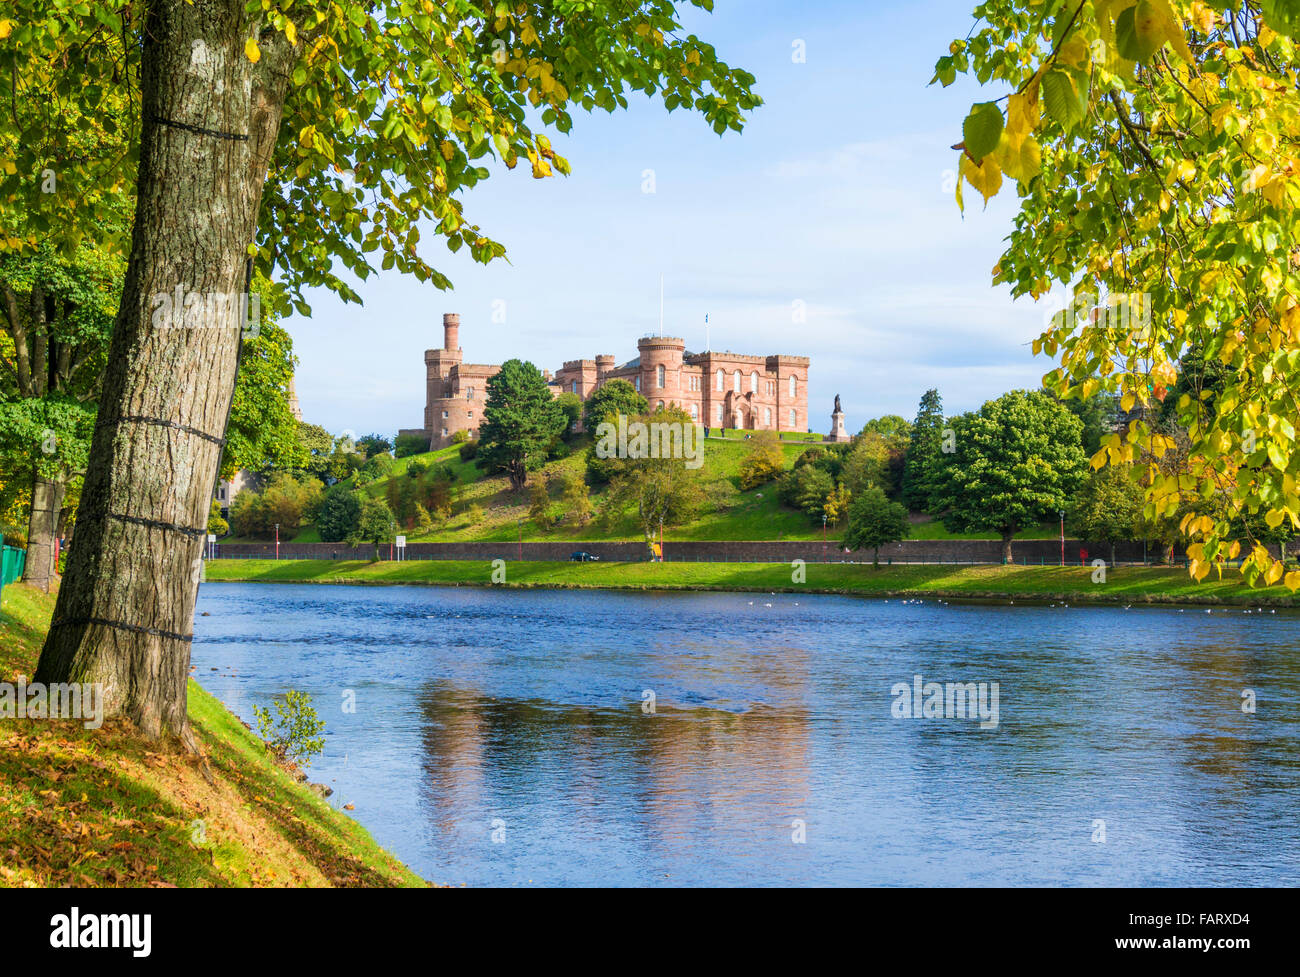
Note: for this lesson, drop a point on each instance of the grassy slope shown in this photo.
(755, 514)
(1126, 584)
(103, 807)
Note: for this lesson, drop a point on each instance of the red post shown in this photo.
(521, 540)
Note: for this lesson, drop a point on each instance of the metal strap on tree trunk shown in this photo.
(159, 524)
(160, 422)
(214, 133)
(121, 626)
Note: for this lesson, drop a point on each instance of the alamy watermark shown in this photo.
(56, 700)
(946, 700)
(182, 309)
(654, 439)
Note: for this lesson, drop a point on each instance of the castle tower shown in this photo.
(451, 331)
(291, 396)
(661, 369)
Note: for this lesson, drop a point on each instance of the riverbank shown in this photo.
(104, 807)
(1154, 585)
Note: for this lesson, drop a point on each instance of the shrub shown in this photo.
(294, 733)
(378, 465)
(468, 450)
(217, 525)
(339, 514)
(806, 489)
(416, 468)
(423, 521)
(460, 437)
(474, 514)
(410, 444)
(540, 508)
(763, 462)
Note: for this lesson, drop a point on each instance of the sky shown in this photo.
(836, 199)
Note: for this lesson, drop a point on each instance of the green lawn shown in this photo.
(104, 807)
(1125, 584)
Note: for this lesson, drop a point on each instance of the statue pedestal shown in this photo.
(838, 431)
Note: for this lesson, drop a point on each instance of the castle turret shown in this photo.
(451, 331)
(661, 368)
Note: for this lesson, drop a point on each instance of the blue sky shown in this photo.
(834, 196)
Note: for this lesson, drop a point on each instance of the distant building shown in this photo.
(721, 390)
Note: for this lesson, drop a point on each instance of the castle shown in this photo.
(723, 390)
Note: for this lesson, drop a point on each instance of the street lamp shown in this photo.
(1062, 537)
(277, 541)
(823, 537)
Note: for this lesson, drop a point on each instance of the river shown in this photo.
(515, 737)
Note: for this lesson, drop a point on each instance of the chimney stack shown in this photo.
(451, 331)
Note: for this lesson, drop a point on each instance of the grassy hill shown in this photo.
(103, 807)
(730, 514)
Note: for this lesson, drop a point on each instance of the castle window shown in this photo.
(719, 413)
(469, 414)
(573, 387)
(721, 383)
(638, 383)
(444, 415)
(792, 418)
(735, 381)
(753, 382)
(793, 381)
(444, 432)
(767, 416)
(695, 412)
(661, 403)
(469, 394)
(662, 376)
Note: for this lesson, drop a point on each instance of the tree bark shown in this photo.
(210, 120)
(1007, 537)
(43, 532)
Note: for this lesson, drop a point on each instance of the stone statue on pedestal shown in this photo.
(838, 431)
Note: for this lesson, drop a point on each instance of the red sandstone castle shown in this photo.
(725, 390)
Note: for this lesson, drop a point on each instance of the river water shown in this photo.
(588, 738)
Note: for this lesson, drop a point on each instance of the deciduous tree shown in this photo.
(1017, 462)
(1155, 146)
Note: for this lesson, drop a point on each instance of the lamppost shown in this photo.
(823, 537)
(1062, 537)
(277, 541)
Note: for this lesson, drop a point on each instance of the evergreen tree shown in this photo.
(874, 521)
(521, 421)
(924, 453)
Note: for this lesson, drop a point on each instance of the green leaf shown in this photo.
(982, 129)
(1061, 94)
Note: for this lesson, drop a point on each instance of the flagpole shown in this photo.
(661, 303)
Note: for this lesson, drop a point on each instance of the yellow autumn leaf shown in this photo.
(290, 31)
(252, 50)
(5, 27)
(984, 176)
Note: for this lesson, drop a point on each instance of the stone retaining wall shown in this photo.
(1031, 551)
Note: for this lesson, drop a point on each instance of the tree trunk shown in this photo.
(1112, 554)
(1007, 537)
(210, 119)
(42, 533)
